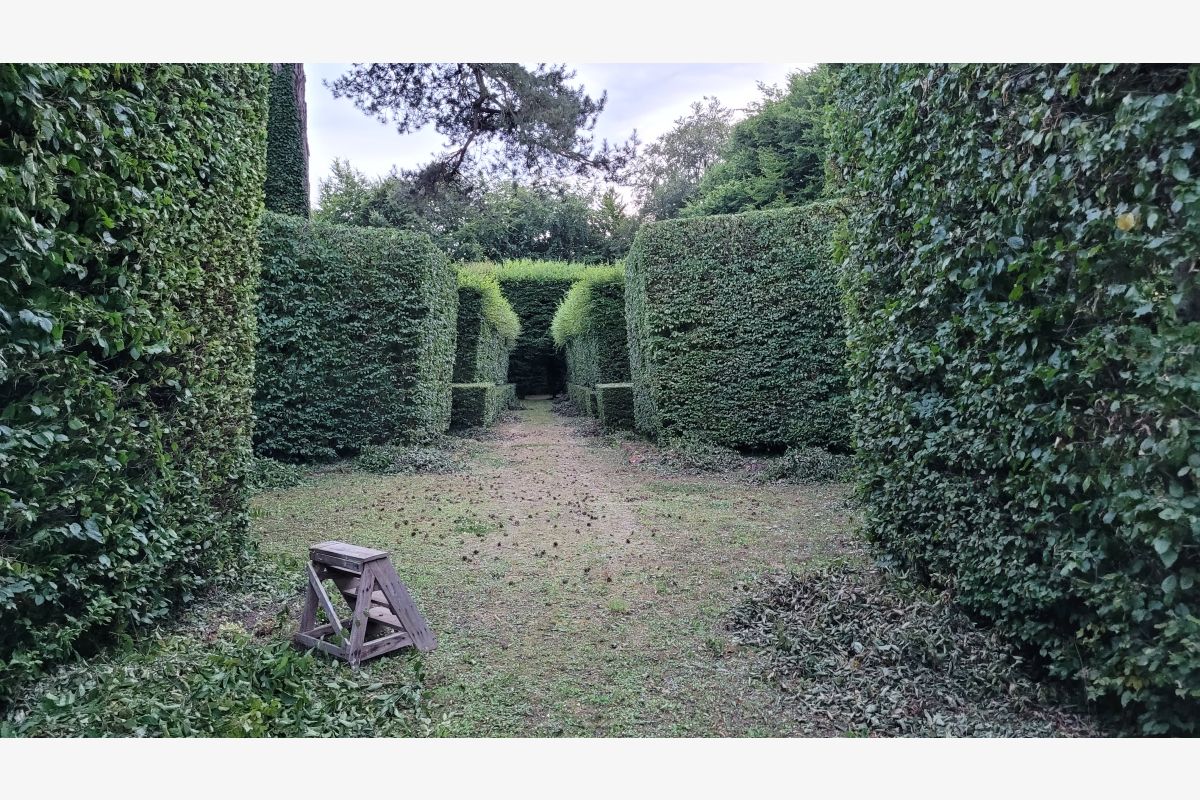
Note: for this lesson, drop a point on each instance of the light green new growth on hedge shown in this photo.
(126, 343)
(534, 289)
(589, 327)
(356, 338)
(1024, 315)
(487, 330)
(736, 333)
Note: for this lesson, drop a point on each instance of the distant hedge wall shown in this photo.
(287, 186)
(736, 331)
(126, 343)
(478, 404)
(487, 330)
(1025, 322)
(356, 334)
(535, 289)
(589, 326)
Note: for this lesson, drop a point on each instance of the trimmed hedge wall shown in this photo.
(1025, 323)
(356, 338)
(589, 326)
(735, 329)
(535, 289)
(584, 397)
(126, 343)
(287, 186)
(614, 405)
(476, 405)
(487, 330)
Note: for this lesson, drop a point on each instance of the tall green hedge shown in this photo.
(287, 186)
(356, 338)
(129, 199)
(535, 289)
(736, 331)
(487, 330)
(589, 326)
(1025, 323)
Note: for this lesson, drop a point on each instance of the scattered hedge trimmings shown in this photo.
(287, 142)
(356, 339)
(535, 289)
(487, 329)
(736, 331)
(1025, 322)
(614, 406)
(589, 326)
(126, 343)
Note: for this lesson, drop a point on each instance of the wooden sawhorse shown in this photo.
(379, 599)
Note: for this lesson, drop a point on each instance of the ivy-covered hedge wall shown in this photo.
(356, 334)
(487, 330)
(589, 326)
(535, 289)
(126, 343)
(1025, 316)
(735, 329)
(287, 184)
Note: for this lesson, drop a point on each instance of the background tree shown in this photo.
(775, 158)
(666, 175)
(535, 122)
(477, 217)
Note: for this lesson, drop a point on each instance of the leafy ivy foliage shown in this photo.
(129, 197)
(1024, 328)
(356, 339)
(535, 289)
(735, 329)
(287, 142)
(589, 326)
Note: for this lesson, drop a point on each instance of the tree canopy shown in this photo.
(534, 120)
(478, 217)
(666, 175)
(775, 158)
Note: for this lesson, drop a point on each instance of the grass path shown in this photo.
(572, 592)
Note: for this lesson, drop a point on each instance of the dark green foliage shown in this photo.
(736, 332)
(126, 343)
(589, 326)
(356, 339)
(1025, 317)
(476, 405)
(584, 397)
(535, 289)
(287, 142)
(614, 405)
(266, 474)
(775, 158)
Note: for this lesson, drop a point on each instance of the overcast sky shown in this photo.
(648, 97)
